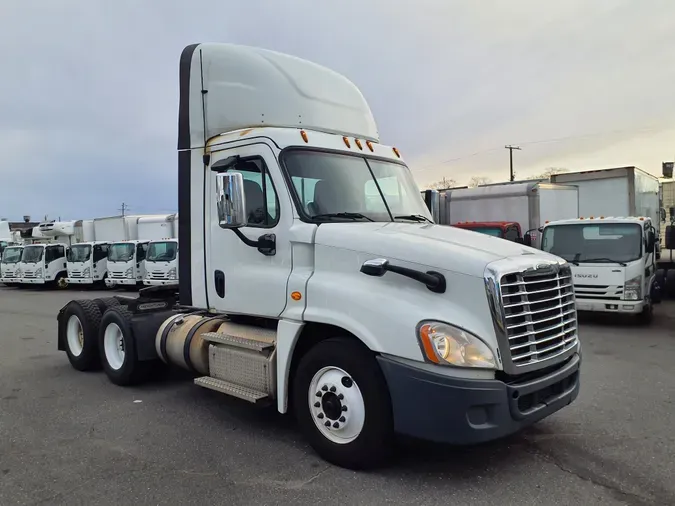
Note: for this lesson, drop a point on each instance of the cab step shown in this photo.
(237, 341)
(225, 387)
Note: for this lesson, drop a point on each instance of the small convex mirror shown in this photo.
(230, 200)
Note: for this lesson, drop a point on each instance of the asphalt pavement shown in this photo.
(73, 438)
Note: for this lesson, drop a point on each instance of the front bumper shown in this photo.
(160, 282)
(32, 281)
(111, 282)
(610, 306)
(80, 281)
(463, 411)
(10, 281)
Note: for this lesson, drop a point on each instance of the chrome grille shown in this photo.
(116, 275)
(75, 274)
(158, 275)
(539, 312)
(29, 274)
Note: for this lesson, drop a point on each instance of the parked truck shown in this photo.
(10, 273)
(44, 264)
(88, 260)
(613, 262)
(126, 254)
(161, 260)
(302, 288)
(529, 204)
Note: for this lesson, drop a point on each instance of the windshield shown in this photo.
(369, 190)
(32, 254)
(79, 253)
(11, 255)
(162, 251)
(601, 242)
(496, 232)
(121, 252)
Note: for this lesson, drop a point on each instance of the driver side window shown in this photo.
(262, 203)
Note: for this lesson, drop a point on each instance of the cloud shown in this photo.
(90, 89)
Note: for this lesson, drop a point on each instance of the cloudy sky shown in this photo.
(88, 109)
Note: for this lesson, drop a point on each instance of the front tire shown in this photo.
(342, 404)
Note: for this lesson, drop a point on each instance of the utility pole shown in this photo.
(511, 148)
(124, 209)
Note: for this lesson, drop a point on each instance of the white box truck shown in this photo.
(10, 273)
(126, 255)
(494, 209)
(616, 192)
(299, 288)
(44, 264)
(161, 260)
(88, 260)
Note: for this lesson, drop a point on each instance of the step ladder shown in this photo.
(242, 362)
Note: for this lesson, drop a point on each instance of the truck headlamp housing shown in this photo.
(446, 344)
(632, 290)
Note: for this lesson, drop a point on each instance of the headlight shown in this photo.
(172, 273)
(38, 273)
(446, 344)
(86, 273)
(632, 290)
(129, 273)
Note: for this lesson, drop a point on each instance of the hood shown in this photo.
(435, 246)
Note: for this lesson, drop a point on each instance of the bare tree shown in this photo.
(550, 172)
(479, 180)
(443, 183)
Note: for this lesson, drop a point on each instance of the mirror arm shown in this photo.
(266, 243)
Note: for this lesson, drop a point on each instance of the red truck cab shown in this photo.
(508, 230)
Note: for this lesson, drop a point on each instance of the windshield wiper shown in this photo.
(413, 217)
(603, 260)
(349, 216)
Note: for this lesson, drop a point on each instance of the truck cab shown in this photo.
(126, 263)
(508, 230)
(161, 263)
(613, 262)
(9, 266)
(87, 263)
(44, 264)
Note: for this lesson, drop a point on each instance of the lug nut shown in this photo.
(333, 389)
(344, 408)
(340, 396)
(318, 394)
(327, 424)
(320, 416)
(324, 388)
(336, 425)
(342, 419)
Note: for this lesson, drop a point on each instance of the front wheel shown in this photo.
(61, 282)
(342, 404)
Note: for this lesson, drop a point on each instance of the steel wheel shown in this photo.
(75, 335)
(113, 344)
(337, 405)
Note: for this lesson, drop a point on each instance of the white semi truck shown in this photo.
(613, 262)
(312, 277)
(9, 265)
(161, 260)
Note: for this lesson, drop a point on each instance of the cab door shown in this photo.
(241, 279)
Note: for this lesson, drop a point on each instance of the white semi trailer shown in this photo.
(305, 285)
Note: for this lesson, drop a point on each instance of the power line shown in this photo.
(511, 173)
(124, 209)
(436, 165)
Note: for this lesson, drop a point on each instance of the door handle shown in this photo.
(219, 280)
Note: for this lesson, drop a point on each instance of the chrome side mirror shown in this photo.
(231, 200)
